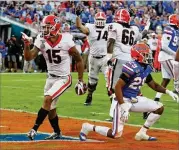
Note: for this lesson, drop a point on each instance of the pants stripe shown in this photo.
(170, 66)
(111, 77)
(115, 121)
(63, 88)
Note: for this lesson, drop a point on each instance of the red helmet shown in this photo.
(122, 16)
(174, 20)
(141, 53)
(100, 19)
(50, 26)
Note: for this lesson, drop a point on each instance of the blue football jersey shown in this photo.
(173, 34)
(137, 76)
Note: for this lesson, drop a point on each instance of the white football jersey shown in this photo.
(56, 55)
(124, 39)
(97, 39)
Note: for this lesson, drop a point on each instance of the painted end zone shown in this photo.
(22, 137)
(14, 126)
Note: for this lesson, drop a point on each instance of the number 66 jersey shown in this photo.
(125, 37)
(56, 55)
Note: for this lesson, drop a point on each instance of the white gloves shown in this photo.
(125, 111)
(173, 95)
(80, 88)
(26, 39)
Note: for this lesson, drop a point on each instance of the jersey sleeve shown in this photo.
(112, 31)
(149, 78)
(38, 41)
(70, 42)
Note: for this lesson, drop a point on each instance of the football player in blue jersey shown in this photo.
(134, 75)
(170, 44)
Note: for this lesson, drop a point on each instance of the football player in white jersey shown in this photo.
(97, 34)
(56, 49)
(170, 44)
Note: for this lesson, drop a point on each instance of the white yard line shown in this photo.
(171, 130)
(3, 126)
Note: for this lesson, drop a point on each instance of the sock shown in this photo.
(152, 118)
(40, 118)
(102, 130)
(143, 129)
(55, 125)
(158, 95)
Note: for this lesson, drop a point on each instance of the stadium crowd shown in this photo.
(31, 13)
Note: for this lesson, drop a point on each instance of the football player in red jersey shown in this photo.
(56, 49)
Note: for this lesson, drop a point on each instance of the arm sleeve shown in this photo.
(124, 78)
(148, 79)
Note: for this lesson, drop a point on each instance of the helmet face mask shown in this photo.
(100, 22)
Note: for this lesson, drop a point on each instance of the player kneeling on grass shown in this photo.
(56, 48)
(134, 75)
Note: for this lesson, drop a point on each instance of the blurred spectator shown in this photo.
(47, 8)
(109, 16)
(3, 52)
(152, 42)
(13, 53)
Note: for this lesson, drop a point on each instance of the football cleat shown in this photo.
(140, 136)
(54, 136)
(88, 100)
(84, 132)
(31, 134)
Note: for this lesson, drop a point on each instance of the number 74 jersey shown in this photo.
(97, 39)
(56, 55)
(125, 37)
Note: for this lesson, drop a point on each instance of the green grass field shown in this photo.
(25, 92)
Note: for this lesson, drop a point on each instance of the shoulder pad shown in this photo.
(131, 68)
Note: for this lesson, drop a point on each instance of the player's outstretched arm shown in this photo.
(81, 27)
(155, 86)
(79, 62)
(177, 55)
(29, 54)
